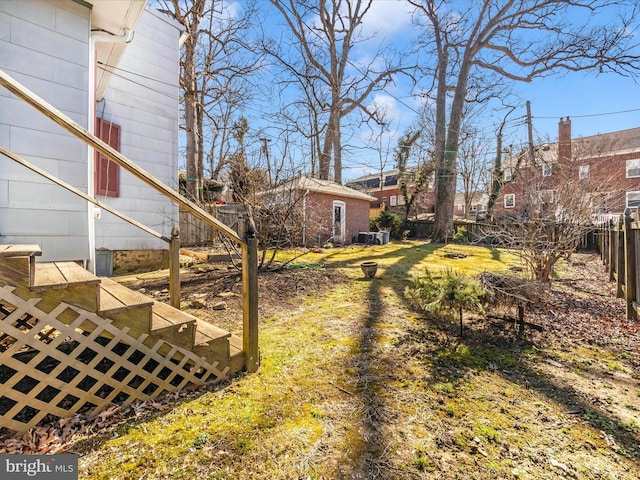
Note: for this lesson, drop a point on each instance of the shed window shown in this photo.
(107, 173)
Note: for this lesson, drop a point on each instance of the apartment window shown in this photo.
(583, 172)
(633, 168)
(510, 200)
(392, 201)
(507, 175)
(107, 172)
(633, 199)
(460, 207)
(400, 200)
(546, 170)
(546, 196)
(384, 200)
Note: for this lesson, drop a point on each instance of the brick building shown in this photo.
(604, 168)
(386, 190)
(326, 211)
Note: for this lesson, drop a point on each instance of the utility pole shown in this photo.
(530, 132)
(265, 149)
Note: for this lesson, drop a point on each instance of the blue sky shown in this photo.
(594, 103)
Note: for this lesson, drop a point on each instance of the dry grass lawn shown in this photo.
(355, 385)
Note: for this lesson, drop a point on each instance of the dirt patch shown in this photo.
(204, 287)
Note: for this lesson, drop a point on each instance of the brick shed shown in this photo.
(327, 211)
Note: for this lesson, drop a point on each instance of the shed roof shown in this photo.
(320, 186)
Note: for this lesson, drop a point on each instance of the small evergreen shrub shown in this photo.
(452, 292)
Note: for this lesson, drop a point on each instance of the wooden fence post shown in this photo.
(620, 262)
(174, 268)
(612, 251)
(250, 299)
(630, 267)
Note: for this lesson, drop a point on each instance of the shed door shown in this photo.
(339, 225)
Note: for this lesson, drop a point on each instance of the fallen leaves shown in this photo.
(52, 437)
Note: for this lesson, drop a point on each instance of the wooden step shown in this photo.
(56, 275)
(115, 298)
(236, 354)
(212, 343)
(31, 250)
(124, 307)
(18, 264)
(65, 282)
(173, 325)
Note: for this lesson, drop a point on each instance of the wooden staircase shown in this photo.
(71, 342)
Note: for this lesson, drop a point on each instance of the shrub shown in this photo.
(461, 234)
(388, 221)
(452, 292)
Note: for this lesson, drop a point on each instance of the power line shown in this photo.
(591, 114)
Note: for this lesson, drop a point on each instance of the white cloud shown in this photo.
(387, 18)
(388, 105)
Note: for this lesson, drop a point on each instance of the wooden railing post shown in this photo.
(250, 298)
(174, 268)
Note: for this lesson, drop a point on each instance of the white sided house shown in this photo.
(112, 66)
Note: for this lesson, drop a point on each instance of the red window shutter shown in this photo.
(107, 173)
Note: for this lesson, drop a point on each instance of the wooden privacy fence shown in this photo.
(618, 243)
(194, 231)
(480, 232)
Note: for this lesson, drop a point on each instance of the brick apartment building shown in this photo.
(386, 190)
(604, 168)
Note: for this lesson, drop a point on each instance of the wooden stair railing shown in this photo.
(73, 343)
(249, 243)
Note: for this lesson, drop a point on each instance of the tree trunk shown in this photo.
(337, 151)
(190, 101)
(446, 192)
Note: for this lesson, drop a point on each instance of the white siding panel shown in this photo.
(67, 19)
(148, 116)
(15, 113)
(48, 145)
(50, 197)
(4, 194)
(59, 46)
(63, 248)
(71, 101)
(38, 12)
(13, 171)
(31, 222)
(5, 27)
(44, 44)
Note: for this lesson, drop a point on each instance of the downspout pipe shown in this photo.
(92, 212)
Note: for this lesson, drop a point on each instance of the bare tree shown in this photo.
(215, 67)
(189, 15)
(325, 33)
(472, 165)
(515, 40)
(497, 175)
(412, 181)
(556, 206)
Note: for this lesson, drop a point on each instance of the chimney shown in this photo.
(564, 139)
